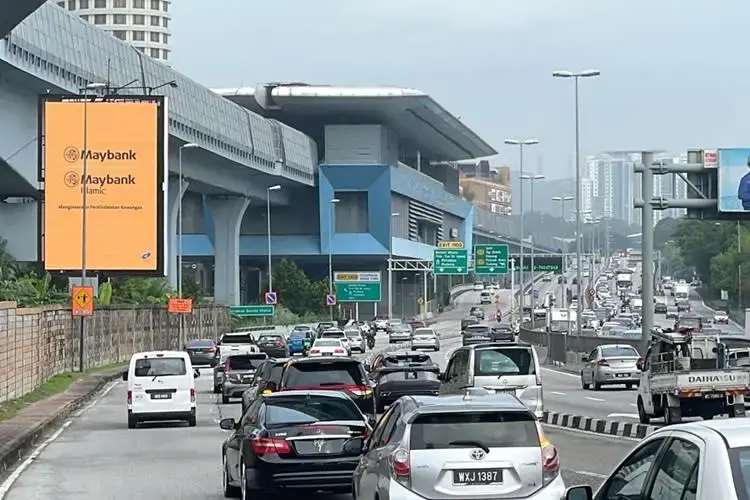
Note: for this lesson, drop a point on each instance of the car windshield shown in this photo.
(323, 374)
(160, 367)
(504, 361)
(244, 362)
(613, 351)
(327, 343)
(494, 429)
(282, 411)
(689, 323)
(238, 338)
(201, 343)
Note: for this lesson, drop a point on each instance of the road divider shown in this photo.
(598, 425)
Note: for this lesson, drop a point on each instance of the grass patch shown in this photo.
(55, 385)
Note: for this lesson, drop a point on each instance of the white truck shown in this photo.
(624, 282)
(684, 375)
(561, 320)
(682, 296)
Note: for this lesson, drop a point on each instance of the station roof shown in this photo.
(420, 123)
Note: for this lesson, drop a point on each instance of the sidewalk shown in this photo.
(20, 434)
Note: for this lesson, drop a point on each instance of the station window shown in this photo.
(352, 212)
(427, 232)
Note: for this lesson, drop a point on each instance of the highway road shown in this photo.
(95, 456)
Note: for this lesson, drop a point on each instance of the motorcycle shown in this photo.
(371, 342)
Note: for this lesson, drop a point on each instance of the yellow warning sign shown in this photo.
(83, 301)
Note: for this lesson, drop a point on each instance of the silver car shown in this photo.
(465, 446)
(696, 460)
(356, 339)
(399, 333)
(613, 364)
(425, 338)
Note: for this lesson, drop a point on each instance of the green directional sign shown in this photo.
(450, 261)
(542, 263)
(251, 311)
(490, 259)
(358, 286)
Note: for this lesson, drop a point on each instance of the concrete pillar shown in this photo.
(227, 213)
(173, 209)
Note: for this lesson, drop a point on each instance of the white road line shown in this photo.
(599, 400)
(589, 433)
(557, 393)
(592, 474)
(622, 415)
(559, 372)
(634, 405)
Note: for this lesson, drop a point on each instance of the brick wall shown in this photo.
(37, 343)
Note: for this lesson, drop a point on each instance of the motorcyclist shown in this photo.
(370, 335)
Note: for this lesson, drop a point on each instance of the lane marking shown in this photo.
(622, 415)
(559, 372)
(634, 405)
(557, 393)
(592, 474)
(599, 400)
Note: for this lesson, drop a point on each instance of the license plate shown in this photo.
(478, 476)
(622, 375)
(161, 395)
(713, 395)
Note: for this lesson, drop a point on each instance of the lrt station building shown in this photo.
(383, 161)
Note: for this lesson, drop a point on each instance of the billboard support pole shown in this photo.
(84, 200)
(647, 233)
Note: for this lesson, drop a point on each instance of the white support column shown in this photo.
(227, 213)
(174, 199)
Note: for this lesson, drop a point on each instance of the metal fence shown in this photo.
(559, 347)
(38, 343)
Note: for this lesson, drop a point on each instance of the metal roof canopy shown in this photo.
(420, 123)
(15, 11)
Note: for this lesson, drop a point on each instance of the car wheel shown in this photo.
(192, 421)
(229, 490)
(217, 389)
(224, 399)
(584, 385)
(132, 422)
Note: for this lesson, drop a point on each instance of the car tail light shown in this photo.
(550, 458)
(602, 362)
(338, 351)
(358, 390)
(192, 395)
(266, 446)
(400, 468)
(314, 351)
(227, 367)
(130, 397)
(211, 349)
(279, 343)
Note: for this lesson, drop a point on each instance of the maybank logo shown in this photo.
(73, 154)
(110, 180)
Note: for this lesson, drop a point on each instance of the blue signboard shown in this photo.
(734, 180)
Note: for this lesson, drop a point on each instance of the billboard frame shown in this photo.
(729, 214)
(162, 178)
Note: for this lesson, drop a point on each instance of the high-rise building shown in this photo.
(143, 23)
(486, 187)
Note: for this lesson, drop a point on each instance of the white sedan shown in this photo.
(328, 347)
(721, 318)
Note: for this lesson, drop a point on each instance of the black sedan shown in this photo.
(202, 352)
(300, 442)
(273, 345)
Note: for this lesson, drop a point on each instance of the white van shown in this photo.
(161, 387)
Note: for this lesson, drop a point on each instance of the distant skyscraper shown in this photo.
(143, 23)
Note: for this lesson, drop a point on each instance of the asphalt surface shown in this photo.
(97, 457)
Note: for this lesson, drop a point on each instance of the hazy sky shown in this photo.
(672, 75)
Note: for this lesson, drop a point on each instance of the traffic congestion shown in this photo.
(354, 410)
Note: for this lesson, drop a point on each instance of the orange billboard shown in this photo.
(103, 165)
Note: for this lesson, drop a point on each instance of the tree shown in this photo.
(296, 291)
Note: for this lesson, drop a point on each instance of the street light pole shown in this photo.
(181, 323)
(739, 268)
(532, 180)
(576, 76)
(84, 210)
(521, 143)
(390, 265)
(269, 189)
(332, 204)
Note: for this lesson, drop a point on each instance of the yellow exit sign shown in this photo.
(451, 244)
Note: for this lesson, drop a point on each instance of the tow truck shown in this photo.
(687, 375)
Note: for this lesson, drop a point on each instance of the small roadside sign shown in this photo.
(179, 306)
(271, 298)
(330, 299)
(83, 301)
(251, 311)
(456, 245)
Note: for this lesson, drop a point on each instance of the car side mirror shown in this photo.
(228, 424)
(196, 373)
(584, 359)
(441, 376)
(639, 365)
(372, 421)
(125, 375)
(579, 493)
(367, 367)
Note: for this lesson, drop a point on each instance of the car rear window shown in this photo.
(352, 333)
(494, 429)
(238, 339)
(160, 367)
(322, 374)
(201, 343)
(504, 361)
(407, 360)
(332, 335)
(244, 362)
(477, 329)
(327, 343)
(616, 351)
(298, 410)
(425, 331)
(297, 335)
(269, 338)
